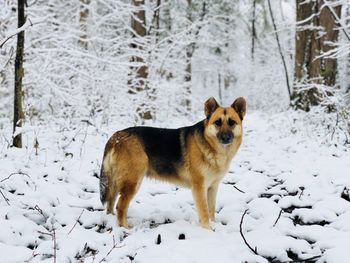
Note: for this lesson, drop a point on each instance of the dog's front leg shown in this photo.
(200, 197)
(212, 192)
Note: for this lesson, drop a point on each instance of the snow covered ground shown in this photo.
(295, 187)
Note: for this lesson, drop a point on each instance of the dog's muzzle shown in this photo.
(225, 138)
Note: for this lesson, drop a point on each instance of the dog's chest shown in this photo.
(217, 167)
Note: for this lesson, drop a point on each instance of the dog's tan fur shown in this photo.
(205, 162)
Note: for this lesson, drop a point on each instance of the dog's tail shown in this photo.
(103, 181)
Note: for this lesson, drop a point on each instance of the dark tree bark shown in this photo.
(18, 115)
(312, 40)
(138, 83)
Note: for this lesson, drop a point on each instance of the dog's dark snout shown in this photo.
(226, 138)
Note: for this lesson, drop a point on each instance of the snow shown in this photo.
(53, 208)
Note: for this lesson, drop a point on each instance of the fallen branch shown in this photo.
(76, 222)
(241, 232)
(255, 251)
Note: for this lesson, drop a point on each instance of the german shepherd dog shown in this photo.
(197, 157)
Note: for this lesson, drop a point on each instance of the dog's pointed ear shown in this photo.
(210, 106)
(240, 106)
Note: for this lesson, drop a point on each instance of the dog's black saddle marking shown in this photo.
(163, 147)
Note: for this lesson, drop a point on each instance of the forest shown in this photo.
(74, 72)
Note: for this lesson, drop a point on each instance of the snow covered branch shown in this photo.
(27, 24)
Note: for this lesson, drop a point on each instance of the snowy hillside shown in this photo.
(294, 189)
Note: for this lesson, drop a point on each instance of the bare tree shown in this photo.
(83, 17)
(139, 83)
(316, 31)
(189, 53)
(18, 115)
(253, 29)
(190, 49)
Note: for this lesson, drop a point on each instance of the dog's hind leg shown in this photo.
(131, 167)
(112, 194)
(127, 192)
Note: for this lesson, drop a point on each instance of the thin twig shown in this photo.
(241, 231)
(233, 184)
(6, 199)
(54, 245)
(84, 139)
(239, 189)
(110, 251)
(53, 236)
(302, 260)
(37, 208)
(76, 222)
(278, 218)
(33, 253)
(8, 177)
(9, 59)
(280, 50)
(302, 191)
(44, 233)
(88, 122)
(27, 24)
(336, 124)
(337, 19)
(253, 29)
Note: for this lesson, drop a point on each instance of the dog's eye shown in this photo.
(231, 122)
(218, 122)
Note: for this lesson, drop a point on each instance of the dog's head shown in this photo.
(224, 124)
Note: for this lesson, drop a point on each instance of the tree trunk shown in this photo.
(156, 18)
(18, 115)
(190, 49)
(253, 30)
(167, 32)
(83, 17)
(329, 65)
(138, 83)
(189, 53)
(312, 38)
